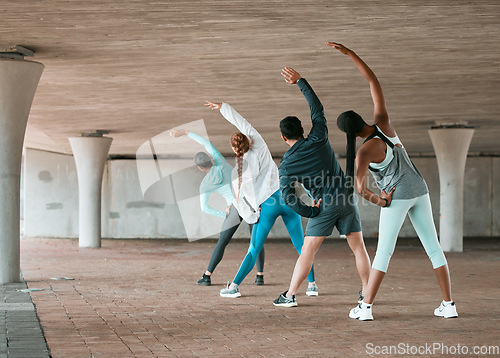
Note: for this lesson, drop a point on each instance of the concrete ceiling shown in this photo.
(138, 68)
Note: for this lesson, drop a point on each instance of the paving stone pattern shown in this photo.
(139, 298)
(21, 335)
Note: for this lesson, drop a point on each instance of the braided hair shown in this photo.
(241, 145)
(350, 123)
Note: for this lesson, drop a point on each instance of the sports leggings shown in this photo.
(229, 227)
(269, 212)
(391, 219)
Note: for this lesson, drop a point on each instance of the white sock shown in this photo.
(364, 304)
(446, 303)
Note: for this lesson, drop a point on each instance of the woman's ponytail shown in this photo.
(241, 145)
(351, 124)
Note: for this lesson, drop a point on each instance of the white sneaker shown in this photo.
(312, 289)
(446, 310)
(363, 312)
(227, 292)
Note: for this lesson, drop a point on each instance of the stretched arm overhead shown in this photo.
(319, 129)
(210, 148)
(380, 111)
(236, 119)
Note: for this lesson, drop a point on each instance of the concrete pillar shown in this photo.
(451, 146)
(90, 157)
(18, 82)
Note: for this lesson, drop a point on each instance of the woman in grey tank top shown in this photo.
(403, 191)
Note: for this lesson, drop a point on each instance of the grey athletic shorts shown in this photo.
(345, 217)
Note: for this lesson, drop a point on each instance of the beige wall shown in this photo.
(51, 201)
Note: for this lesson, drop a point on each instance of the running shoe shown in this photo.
(363, 312)
(226, 292)
(259, 280)
(205, 280)
(312, 289)
(446, 310)
(283, 301)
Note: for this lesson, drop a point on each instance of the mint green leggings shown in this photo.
(391, 219)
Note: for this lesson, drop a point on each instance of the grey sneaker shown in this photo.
(226, 292)
(259, 280)
(312, 290)
(283, 301)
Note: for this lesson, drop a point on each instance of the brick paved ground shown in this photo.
(20, 332)
(135, 298)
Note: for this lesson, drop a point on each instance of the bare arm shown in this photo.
(380, 111)
(362, 162)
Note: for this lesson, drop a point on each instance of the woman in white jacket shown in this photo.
(256, 195)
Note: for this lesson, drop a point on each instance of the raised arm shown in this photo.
(319, 129)
(210, 148)
(236, 119)
(380, 115)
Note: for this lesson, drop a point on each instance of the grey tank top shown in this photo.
(401, 173)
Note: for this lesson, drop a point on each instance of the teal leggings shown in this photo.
(391, 219)
(269, 212)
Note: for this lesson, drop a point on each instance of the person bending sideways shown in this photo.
(403, 191)
(311, 162)
(256, 196)
(218, 180)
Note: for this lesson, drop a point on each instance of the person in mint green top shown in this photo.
(218, 180)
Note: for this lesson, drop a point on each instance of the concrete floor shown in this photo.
(139, 298)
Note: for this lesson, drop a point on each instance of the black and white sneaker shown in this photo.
(446, 310)
(205, 280)
(284, 301)
(259, 280)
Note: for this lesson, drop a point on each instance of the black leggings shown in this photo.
(229, 227)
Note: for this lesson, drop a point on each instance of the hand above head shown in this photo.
(341, 48)
(291, 76)
(176, 133)
(213, 105)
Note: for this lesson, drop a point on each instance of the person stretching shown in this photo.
(257, 196)
(218, 180)
(311, 162)
(403, 191)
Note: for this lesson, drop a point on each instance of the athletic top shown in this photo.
(217, 180)
(400, 173)
(260, 173)
(388, 153)
(311, 161)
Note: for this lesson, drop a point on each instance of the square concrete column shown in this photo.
(18, 83)
(451, 146)
(90, 157)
